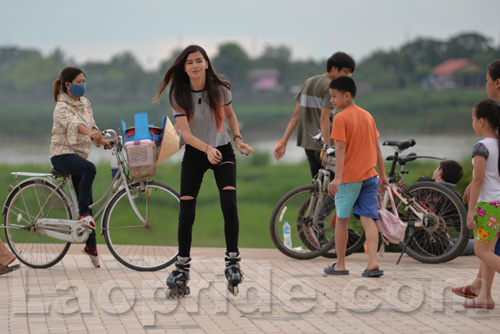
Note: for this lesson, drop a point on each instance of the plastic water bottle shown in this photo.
(287, 235)
(113, 163)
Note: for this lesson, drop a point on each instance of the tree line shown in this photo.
(27, 74)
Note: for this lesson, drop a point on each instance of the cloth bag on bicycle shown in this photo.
(391, 228)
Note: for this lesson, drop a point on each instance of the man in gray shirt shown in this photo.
(313, 110)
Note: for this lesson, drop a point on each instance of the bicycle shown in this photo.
(435, 216)
(41, 218)
(434, 213)
(302, 208)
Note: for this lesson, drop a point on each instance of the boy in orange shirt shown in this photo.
(356, 184)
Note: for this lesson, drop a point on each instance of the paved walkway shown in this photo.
(279, 295)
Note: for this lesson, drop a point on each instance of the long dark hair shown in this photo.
(67, 75)
(489, 110)
(180, 91)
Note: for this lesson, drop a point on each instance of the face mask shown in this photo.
(77, 90)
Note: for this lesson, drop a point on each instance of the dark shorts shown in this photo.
(360, 197)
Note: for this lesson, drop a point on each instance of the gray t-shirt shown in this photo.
(203, 124)
(313, 96)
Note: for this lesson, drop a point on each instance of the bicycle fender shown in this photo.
(20, 184)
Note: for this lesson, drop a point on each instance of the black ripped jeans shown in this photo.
(194, 166)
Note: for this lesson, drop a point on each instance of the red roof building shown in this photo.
(454, 73)
(451, 66)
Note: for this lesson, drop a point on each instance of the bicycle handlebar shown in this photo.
(328, 149)
(111, 134)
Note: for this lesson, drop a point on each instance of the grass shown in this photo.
(260, 185)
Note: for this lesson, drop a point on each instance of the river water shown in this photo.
(455, 147)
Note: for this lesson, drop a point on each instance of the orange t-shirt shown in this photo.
(356, 128)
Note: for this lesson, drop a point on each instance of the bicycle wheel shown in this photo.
(445, 233)
(328, 217)
(143, 247)
(31, 200)
(307, 241)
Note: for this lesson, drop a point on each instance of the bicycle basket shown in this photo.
(141, 156)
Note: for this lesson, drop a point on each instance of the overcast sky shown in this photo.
(152, 29)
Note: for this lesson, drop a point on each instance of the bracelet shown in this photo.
(206, 148)
(280, 142)
(237, 136)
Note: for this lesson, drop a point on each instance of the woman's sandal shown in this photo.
(464, 291)
(472, 304)
(6, 269)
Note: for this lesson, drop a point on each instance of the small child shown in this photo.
(493, 89)
(448, 171)
(483, 216)
(355, 184)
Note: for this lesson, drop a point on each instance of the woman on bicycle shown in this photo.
(73, 131)
(201, 104)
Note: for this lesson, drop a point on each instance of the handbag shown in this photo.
(391, 228)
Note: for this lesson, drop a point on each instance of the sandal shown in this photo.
(332, 271)
(472, 304)
(372, 273)
(464, 291)
(6, 269)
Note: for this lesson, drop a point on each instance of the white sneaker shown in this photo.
(92, 254)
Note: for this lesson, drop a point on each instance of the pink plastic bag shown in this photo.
(391, 228)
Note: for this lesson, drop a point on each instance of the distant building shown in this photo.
(455, 73)
(264, 80)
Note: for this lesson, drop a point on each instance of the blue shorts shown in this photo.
(497, 247)
(361, 197)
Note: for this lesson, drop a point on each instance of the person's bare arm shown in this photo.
(340, 149)
(214, 156)
(382, 178)
(475, 188)
(325, 125)
(280, 149)
(232, 122)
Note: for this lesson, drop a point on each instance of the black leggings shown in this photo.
(194, 166)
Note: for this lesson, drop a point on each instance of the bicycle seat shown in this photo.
(402, 159)
(56, 172)
(401, 144)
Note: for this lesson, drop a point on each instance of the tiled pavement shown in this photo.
(279, 295)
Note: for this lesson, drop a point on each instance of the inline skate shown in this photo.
(233, 273)
(178, 279)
